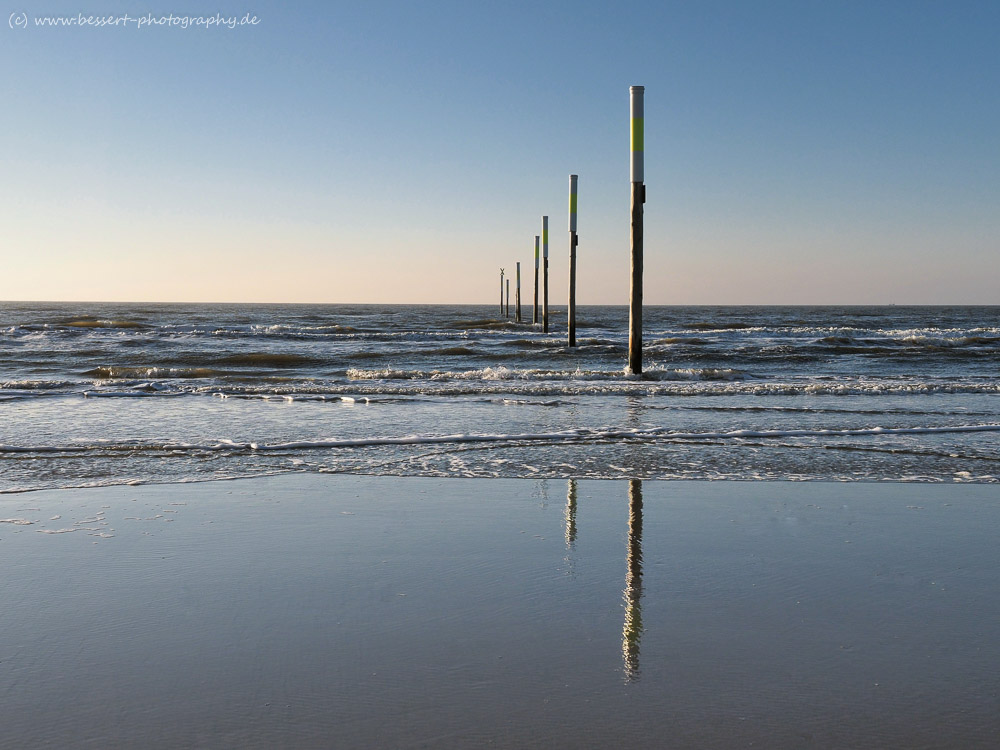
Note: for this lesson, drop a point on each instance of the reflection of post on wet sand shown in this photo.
(571, 513)
(632, 632)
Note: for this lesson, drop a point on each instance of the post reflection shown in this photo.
(571, 514)
(632, 631)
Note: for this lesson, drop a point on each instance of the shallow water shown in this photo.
(97, 394)
(315, 611)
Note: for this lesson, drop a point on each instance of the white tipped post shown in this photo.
(501, 291)
(635, 235)
(517, 295)
(571, 312)
(534, 315)
(545, 274)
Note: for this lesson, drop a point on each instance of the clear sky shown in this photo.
(796, 152)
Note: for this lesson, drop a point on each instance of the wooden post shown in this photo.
(501, 291)
(517, 295)
(534, 317)
(638, 198)
(507, 313)
(545, 274)
(571, 312)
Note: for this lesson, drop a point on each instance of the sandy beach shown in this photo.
(336, 611)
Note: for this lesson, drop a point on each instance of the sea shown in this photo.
(96, 394)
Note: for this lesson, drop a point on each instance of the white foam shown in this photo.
(658, 433)
(575, 435)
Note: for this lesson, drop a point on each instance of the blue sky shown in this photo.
(796, 152)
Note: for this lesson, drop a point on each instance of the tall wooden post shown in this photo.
(638, 198)
(507, 313)
(534, 317)
(545, 274)
(501, 291)
(517, 295)
(571, 312)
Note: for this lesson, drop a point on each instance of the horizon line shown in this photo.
(563, 307)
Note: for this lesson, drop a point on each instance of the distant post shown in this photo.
(501, 291)
(517, 294)
(534, 317)
(638, 198)
(571, 313)
(507, 313)
(545, 274)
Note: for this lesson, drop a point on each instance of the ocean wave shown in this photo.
(887, 341)
(949, 342)
(88, 322)
(654, 373)
(482, 374)
(544, 343)
(386, 373)
(292, 397)
(303, 330)
(134, 373)
(705, 373)
(646, 434)
(531, 402)
(269, 359)
(592, 349)
(410, 384)
(399, 383)
(674, 340)
(490, 324)
(34, 385)
(716, 326)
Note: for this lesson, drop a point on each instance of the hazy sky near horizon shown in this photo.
(796, 152)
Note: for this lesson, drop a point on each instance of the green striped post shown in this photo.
(571, 312)
(545, 274)
(638, 198)
(637, 122)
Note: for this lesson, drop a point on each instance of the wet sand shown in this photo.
(313, 611)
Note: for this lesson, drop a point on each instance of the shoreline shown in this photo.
(917, 480)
